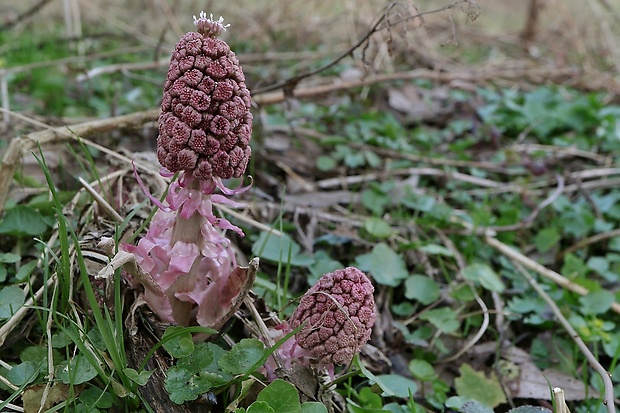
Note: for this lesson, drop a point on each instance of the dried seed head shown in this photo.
(205, 122)
(338, 312)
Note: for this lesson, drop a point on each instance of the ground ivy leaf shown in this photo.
(444, 319)
(11, 300)
(183, 386)
(422, 289)
(179, 346)
(281, 396)
(484, 275)
(596, 302)
(95, 397)
(475, 385)
(260, 407)
(385, 265)
(242, 356)
(78, 370)
(23, 373)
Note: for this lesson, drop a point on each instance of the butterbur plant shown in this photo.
(335, 319)
(185, 264)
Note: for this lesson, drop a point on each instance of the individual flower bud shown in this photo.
(336, 315)
(205, 122)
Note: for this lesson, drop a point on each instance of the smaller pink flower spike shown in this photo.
(337, 315)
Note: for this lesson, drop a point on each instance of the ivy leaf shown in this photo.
(179, 346)
(242, 356)
(475, 385)
(200, 359)
(484, 275)
(11, 300)
(422, 370)
(182, 385)
(422, 289)
(444, 319)
(281, 396)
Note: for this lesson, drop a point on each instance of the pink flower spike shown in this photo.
(154, 200)
(336, 315)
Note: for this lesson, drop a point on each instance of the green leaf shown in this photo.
(25, 270)
(276, 248)
(94, 397)
(473, 406)
(180, 345)
(476, 386)
(444, 319)
(546, 239)
(23, 373)
(396, 385)
(385, 265)
(10, 258)
(76, 371)
(22, 220)
(3, 273)
(386, 383)
(597, 302)
(529, 409)
(484, 275)
(200, 359)
(422, 289)
(422, 370)
(435, 249)
(242, 356)
(313, 407)
(281, 396)
(323, 264)
(377, 227)
(11, 300)
(183, 386)
(326, 163)
(260, 407)
(139, 378)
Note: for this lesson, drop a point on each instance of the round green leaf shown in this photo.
(377, 227)
(23, 373)
(597, 302)
(422, 289)
(313, 407)
(260, 407)
(242, 356)
(78, 370)
(396, 386)
(422, 370)
(483, 274)
(281, 396)
(11, 300)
